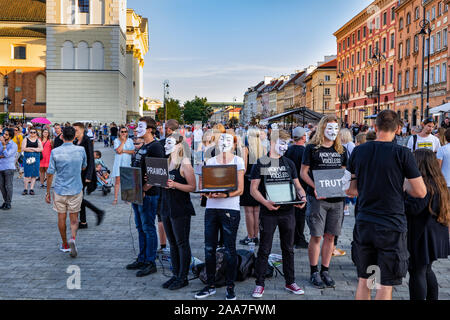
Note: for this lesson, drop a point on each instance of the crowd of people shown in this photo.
(397, 183)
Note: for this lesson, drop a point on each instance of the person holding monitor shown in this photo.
(223, 212)
(278, 171)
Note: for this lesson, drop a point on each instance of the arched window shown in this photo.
(417, 15)
(97, 56)
(408, 19)
(83, 56)
(68, 56)
(400, 24)
(40, 89)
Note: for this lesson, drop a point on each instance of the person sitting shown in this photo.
(103, 180)
(98, 160)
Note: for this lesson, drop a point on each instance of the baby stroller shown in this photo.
(104, 184)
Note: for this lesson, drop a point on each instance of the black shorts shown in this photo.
(375, 245)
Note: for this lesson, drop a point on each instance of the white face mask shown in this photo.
(170, 145)
(141, 129)
(281, 147)
(331, 131)
(226, 143)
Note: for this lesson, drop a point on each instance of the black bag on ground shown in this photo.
(221, 266)
(246, 264)
(269, 272)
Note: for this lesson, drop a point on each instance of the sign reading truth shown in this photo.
(157, 171)
(329, 183)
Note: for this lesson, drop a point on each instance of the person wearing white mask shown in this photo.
(177, 209)
(276, 169)
(145, 214)
(323, 215)
(223, 211)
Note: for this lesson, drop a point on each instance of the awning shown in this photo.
(442, 108)
(303, 114)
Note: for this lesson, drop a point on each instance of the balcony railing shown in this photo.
(372, 92)
(344, 98)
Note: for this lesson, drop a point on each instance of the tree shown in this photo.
(197, 110)
(173, 109)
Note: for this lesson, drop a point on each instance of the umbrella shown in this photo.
(41, 121)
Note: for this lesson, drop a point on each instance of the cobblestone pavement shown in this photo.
(32, 267)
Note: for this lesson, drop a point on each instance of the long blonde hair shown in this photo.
(183, 152)
(319, 137)
(256, 149)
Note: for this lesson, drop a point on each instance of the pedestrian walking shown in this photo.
(8, 153)
(47, 149)
(425, 139)
(18, 139)
(443, 156)
(32, 148)
(67, 163)
(89, 176)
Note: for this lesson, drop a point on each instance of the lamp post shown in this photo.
(166, 96)
(23, 109)
(6, 100)
(425, 29)
(322, 84)
(377, 58)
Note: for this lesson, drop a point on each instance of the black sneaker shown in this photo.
(316, 281)
(7, 207)
(178, 284)
(245, 241)
(329, 282)
(230, 293)
(135, 265)
(256, 241)
(148, 269)
(3, 206)
(205, 292)
(100, 216)
(169, 282)
(82, 225)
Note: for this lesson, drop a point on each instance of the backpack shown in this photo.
(246, 264)
(221, 266)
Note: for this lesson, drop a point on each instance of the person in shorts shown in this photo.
(324, 216)
(67, 162)
(378, 171)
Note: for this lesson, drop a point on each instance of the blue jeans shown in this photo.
(144, 216)
(228, 220)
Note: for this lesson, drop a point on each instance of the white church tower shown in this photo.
(86, 57)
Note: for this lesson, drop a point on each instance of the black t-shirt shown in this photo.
(380, 169)
(57, 142)
(355, 130)
(275, 171)
(114, 131)
(295, 153)
(323, 159)
(153, 149)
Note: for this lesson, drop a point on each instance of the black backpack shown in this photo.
(246, 264)
(221, 266)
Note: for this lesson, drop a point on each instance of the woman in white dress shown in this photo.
(124, 148)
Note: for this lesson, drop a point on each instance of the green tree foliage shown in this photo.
(173, 109)
(197, 110)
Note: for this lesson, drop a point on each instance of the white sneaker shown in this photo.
(258, 292)
(64, 248)
(346, 212)
(73, 248)
(295, 289)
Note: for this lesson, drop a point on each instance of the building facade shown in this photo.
(321, 88)
(366, 58)
(22, 58)
(412, 55)
(137, 48)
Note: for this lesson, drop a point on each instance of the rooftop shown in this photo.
(23, 10)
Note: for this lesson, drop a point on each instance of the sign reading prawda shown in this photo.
(157, 171)
(329, 183)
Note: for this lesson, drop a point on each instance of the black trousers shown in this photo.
(88, 204)
(299, 235)
(6, 185)
(267, 225)
(177, 231)
(423, 284)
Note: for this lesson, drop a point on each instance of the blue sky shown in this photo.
(219, 48)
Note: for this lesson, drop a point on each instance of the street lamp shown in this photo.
(6, 101)
(23, 109)
(166, 95)
(377, 58)
(340, 76)
(322, 84)
(425, 25)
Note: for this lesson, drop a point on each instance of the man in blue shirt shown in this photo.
(8, 150)
(67, 162)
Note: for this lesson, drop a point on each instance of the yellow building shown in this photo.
(137, 48)
(22, 57)
(321, 88)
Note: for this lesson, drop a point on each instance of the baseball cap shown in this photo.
(298, 132)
